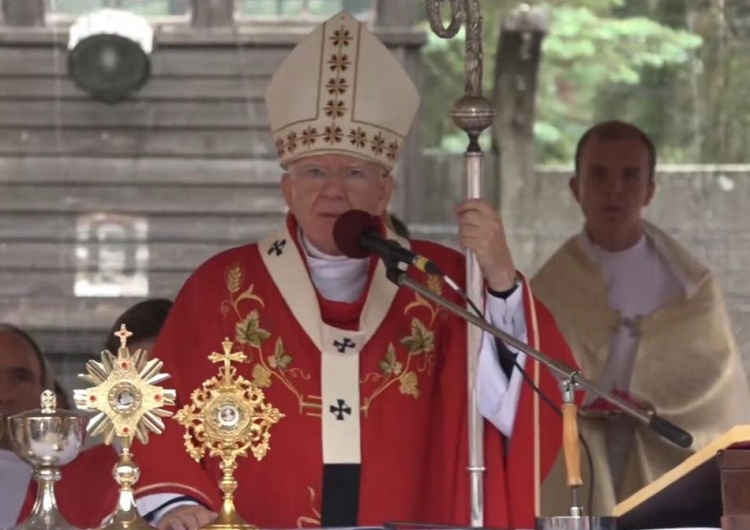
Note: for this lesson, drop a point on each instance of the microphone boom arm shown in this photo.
(568, 375)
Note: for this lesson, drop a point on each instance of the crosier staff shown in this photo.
(472, 113)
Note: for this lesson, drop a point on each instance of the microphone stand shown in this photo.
(571, 379)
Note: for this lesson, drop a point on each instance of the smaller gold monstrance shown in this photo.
(227, 416)
(129, 405)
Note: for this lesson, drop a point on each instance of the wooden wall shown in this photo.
(143, 190)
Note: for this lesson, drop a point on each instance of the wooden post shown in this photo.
(24, 13)
(356, 7)
(395, 14)
(212, 13)
(735, 492)
(411, 186)
(516, 68)
(178, 7)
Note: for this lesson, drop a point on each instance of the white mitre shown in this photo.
(341, 91)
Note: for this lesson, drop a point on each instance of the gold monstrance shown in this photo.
(129, 405)
(227, 416)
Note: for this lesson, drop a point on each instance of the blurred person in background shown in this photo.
(24, 374)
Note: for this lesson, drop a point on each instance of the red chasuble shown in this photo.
(87, 492)
(409, 381)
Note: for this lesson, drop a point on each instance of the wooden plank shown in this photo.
(140, 199)
(68, 351)
(47, 312)
(238, 61)
(60, 228)
(26, 13)
(142, 113)
(45, 257)
(248, 32)
(145, 171)
(17, 285)
(188, 227)
(164, 88)
(162, 256)
(183, 143)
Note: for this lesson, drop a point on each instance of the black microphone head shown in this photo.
(348, 230)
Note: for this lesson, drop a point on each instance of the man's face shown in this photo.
(319, 188)
(613, 185)
(20, 375)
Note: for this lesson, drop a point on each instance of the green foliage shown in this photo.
(586, 53)
(588, 50)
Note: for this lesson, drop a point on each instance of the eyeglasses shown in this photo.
(352, 177)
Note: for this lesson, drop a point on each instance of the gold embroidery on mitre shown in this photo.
(379, 144)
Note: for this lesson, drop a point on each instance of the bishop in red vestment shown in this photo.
(371, 378)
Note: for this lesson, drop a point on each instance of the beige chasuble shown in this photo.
(686, 362)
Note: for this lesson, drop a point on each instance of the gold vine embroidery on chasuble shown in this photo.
(312, 520)
(398, 370)
(401, 368)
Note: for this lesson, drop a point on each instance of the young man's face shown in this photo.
(613, 185)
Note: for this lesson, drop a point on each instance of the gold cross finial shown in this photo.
(124, 334)
(228, 356)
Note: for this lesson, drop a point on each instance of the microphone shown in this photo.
(356, 234)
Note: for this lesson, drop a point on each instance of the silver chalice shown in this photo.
(47, 439)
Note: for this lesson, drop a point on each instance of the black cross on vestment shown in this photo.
(340, 409)
(342, 346)
(277, 247)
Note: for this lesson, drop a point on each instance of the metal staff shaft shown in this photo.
(472, 113)
(475, 290)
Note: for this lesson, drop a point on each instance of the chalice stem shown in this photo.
(45, 497)
(45, 514)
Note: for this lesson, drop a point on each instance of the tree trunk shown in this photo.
(212, 13)
(356, 7)
(178, 7)
(23, 13)
(665, 92)
(516, 72)
(407, 201)
(395, 14)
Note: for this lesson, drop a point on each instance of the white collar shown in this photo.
(337, 278)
